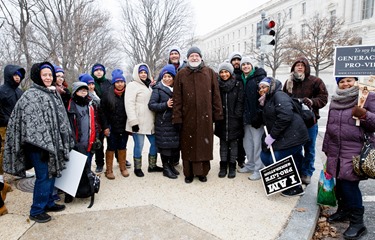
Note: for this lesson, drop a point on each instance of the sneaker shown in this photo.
(128, 164)
(99, 169)
(41, 218)
(55, 208)
(245, 170)
(28, 175)
(56, 197)
(255, 176)
(306, 179)
(294, 191)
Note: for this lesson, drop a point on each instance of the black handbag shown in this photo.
(364, 164)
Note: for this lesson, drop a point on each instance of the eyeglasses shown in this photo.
(83, 90)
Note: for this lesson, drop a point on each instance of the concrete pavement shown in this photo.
(155, 207)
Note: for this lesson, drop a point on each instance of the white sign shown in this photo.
(70, 177)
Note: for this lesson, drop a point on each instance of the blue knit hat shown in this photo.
(143, 68)
(338, 79)
(87, 78)
(18, 72)
(58, 69)
(266, 81)
(98, 66)
(43, 66)
(117, 75)
(169, 68)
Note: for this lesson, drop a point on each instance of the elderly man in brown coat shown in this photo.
(196, 105)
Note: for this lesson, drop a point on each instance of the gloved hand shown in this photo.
(97, 144)
(359, 112)
(308, 102)
(135, 128)
(269, 140)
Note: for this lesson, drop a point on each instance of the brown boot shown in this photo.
(122, 162)
(7, 188)
(109, 164)
(3, 210)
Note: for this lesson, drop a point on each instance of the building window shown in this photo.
(239, 47)
(239, 33)
(367, 9)
(290, 31)
(279, 17)
(290, 13)
(303, 30)
(244, 47)
(245, 32)
(333, 17)
(303, 8)
(233, 35)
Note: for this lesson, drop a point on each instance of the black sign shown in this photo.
(354, 61)
(280, 176)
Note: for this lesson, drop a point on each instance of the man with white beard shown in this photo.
(196, 106)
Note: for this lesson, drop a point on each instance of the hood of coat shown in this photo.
(135, 72)
(35, 73)
(9, 71)
(275, 86)
(305, 62)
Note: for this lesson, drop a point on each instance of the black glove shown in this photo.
(97, 144)
(135, 128)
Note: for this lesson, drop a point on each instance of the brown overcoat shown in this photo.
(196, 105)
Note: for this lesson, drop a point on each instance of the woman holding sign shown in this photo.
(343, 140)
(286, 130)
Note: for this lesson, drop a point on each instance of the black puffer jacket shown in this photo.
(251, 105)
(282, 122)
(9, 93)
(112, 111)
(166, 135)
(232, 98)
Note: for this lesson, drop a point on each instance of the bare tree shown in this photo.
(151, 27)
(317, 40)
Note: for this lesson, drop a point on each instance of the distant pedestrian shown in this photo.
(230, 129)
(342, 141)
(61, 85)
(312, 92)
(196, 105)
(167, 137)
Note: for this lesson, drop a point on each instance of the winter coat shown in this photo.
(283, 123)
(166, 135)
(343, 139)
(136, 104)
(66, 97)
(101, 85)
(196, 105)
(75, 123)
(311, 87)
(9, 93)
(40, 119)
(112, 109)
(251, 105)
(232, 98)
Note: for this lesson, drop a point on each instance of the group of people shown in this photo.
(180, 112)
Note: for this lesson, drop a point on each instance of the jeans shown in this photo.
(43, 188)
(280, 154)
(117, 141)
(349, 193)
(307, 167)
(138, 144)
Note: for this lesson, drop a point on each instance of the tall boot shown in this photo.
(138, 167)
(342, 214)
(232, 170)
(356, 227)
(167, 171)
(109, 164)
(172, 161)
(223, 169)
(122, 162)
(152, 167)
(5, 189)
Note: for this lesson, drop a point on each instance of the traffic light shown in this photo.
(259, 33)
(267, 40)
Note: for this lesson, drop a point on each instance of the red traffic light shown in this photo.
(271, 24)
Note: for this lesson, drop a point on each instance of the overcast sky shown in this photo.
(211, 14)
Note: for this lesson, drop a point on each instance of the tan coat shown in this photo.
(136, 100)
(196, 104)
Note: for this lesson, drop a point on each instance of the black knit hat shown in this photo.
(194, 50)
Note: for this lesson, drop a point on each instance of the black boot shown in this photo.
(232, 170)
(341, 215)
(356, 228)
(167, 172)
(223, 169)
(172, 161)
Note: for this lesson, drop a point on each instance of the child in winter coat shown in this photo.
(113, 119)
(230, 129)
(167, 137)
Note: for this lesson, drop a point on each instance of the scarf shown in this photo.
(344, 98)
(98, 82)
(119, 92)
(244, 79)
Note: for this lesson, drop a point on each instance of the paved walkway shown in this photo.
(155, 207)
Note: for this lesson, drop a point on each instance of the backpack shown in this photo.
(88, 185)
(305, 112)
